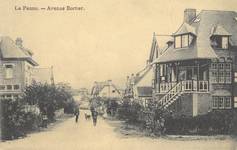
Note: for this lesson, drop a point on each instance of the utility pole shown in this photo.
(52, 76)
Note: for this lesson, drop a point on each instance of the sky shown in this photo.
(110, 39)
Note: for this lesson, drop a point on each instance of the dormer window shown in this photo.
(220, 42)
(182, 41)
(220, 37)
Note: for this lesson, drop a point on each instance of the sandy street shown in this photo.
(68, 135)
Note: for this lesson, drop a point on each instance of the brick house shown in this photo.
(16, 63)
(197, 71)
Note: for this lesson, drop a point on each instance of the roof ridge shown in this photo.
(218, 10)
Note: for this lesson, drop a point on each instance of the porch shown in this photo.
(191, 75)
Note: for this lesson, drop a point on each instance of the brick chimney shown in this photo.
(189, 15)
(19, 42)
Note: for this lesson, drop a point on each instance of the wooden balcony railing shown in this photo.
(188, 85)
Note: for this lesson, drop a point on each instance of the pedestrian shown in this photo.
(77, 113)
(94, 114)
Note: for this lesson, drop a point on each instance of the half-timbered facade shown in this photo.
(196, 72)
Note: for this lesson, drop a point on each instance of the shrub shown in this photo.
(112, 106)
(129, 111)
(215, 122)
(16, 120)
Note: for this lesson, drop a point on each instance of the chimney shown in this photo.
(189, 15)
(169, 43)
(19, 42)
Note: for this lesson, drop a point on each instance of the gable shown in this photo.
(109, 92)
(154, 50)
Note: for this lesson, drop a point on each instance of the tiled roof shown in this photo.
(9, 50)
(144, 91)
(224, 22)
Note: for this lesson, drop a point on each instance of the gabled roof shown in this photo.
(224, 21)
(9, 50)
(154, 49)
(144, 91)
(101, 85)
(185, 28)
(219, 30)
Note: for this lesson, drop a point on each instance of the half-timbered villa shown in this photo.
(197, 71)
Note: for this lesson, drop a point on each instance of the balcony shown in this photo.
(186, 86)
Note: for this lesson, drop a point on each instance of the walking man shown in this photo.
(77, 113)
(94, 114)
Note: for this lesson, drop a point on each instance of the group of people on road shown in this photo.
(94, 114)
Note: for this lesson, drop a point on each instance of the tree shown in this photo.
(48, 98)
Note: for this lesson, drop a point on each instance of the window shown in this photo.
(178, 42)
(9, 71)
(225, 42)
(235, 76)
(9, 87)
(214, 66)
(16, 87)
(215, 102)
(215, 77)
(221, 72)
(222, 102)
(227, 77)
(221, 66)
(2, 87)
(227, 102)
(183, 40)
(228, 66)
(221, 42)
(221, 77)
(235, 102)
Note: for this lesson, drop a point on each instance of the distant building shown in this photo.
(106, 90)
(139, 87)
(197, 71)
(43, 75)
